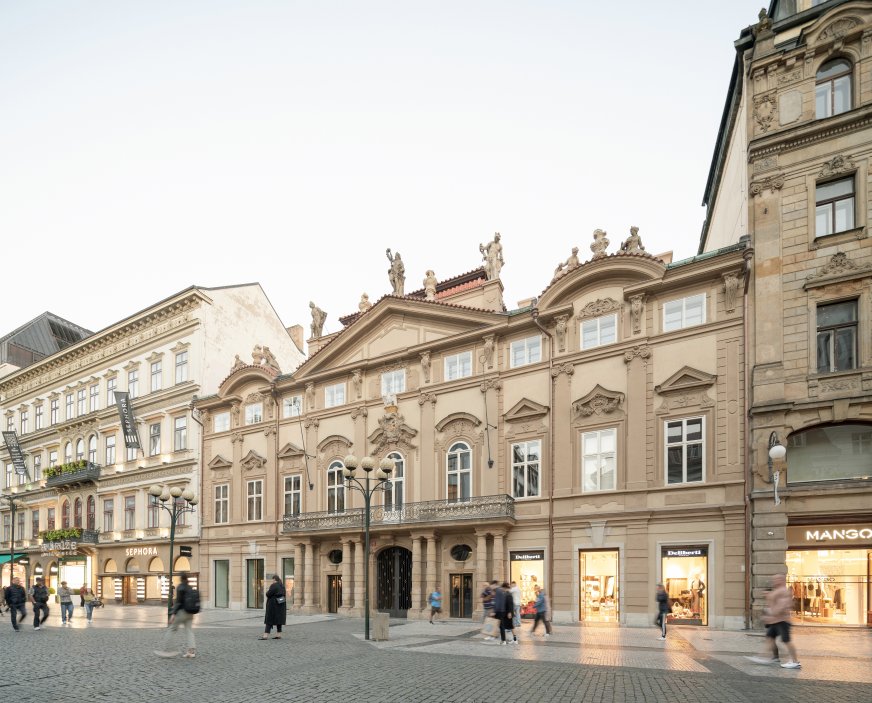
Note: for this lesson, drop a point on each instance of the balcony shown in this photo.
(69, 535)
(484, 508)
(73, 474)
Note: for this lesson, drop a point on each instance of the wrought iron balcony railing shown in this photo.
(69, 475)
(483, 507)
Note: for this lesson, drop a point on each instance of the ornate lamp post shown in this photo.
(13, 506)
(176, 509)
(367, 487)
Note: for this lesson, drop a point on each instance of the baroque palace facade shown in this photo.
(589, 441)
(82, 512)
(791, 169)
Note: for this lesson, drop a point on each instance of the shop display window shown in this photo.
(685, 577)
(528, 571)
(830, 586)
(598, 584)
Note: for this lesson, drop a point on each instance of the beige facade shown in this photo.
(804, 81)
(83, 511)
(592, 443)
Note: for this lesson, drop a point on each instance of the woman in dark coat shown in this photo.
(504, 610)
(276, 609)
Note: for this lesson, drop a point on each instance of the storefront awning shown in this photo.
(4, 558)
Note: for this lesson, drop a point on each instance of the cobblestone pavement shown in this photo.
(325, 659)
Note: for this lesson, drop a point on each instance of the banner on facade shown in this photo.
(61, 548)
(128, 422)
(15, 453)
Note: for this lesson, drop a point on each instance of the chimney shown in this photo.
(296, 332)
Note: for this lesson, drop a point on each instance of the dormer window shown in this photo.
(832, 92)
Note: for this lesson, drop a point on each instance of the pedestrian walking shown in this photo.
(504, 610)
(276, 609)
(87, 598)
(662, 598)
(487, 599)
(65, 596)
(39, 599)
(776, 617)
(15, 599)
(516, 599)
(543, 613)
(185, 606)
(435, 600)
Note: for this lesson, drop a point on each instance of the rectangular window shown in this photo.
(110, 450)
(54, 411)
(685, 312)
(599, 331)
(37, 467)
(458, 366)
(526, 457)
(129, 512)
(10, 473)
(526, 351)
(598, 460)
(131, 453)
(292, 407)
(95, 398)
(834, 207)
(293, 495)
(37, 418)
(20, 518)
(111, 384)
(92, 449)
(180, 433)
(685, 448)
(34, 523)
(335, 488)
(71, 403)
(7, 526)
(53, 458)
(81, 401)
(221, 422)
(222, 504)
(24, 421)
(108, 515)
(253, 413)
(181, 367)
(154, 439)
(255, 500)
(156, 376)
(837, 337)
(133, 383)
(50, 519)
(393, 382)
(334, 395)
(153, 511)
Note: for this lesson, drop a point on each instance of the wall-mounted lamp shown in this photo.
(777, 452)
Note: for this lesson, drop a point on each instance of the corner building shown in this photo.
(591, 443)
(791, 169)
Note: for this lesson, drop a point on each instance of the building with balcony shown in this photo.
(791, 170)
(83, 512)
(589, 441)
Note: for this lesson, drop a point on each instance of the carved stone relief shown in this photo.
(643, 351)
(838, 266)
(732, 284)
(600, 306)
(252, 460)
(600, 401)
(488, 355)
(764, 111)
(836, 165)
(357, 381)
(392, 433)
(637, 304)
(560, 332)
(425, 366)
(771, 183)
(600, 244)
(838, 29)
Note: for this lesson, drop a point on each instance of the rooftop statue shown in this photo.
(492, 255)
(396, 273)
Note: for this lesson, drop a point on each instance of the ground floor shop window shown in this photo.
(830, 586)
(528, 571)
(222, 583)
(288, 578)
(598, 598)
(685, 577)
(254, 581)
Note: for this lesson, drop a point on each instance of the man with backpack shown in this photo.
(185, 606)
(39, 599)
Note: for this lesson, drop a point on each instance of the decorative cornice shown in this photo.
(143, 476)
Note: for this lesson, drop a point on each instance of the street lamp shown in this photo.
(176, 509)
(13, 506)
(367, 488)
(777, 452)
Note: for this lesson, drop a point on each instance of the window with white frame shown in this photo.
(10, 422)
(24, 421)
(154, 439)
(110, 450)
(832, 92)
(94, 400)
(253, 413)
(91, 513)
(599, 331)
(65, 515)
(394, 496)
(37, 467)
(92, 449)
(108, 515)
(156, 375)
(180, 433)
(685, 450)
(50, 518)
(80, 449)
(684, 312)
(221, 422)
(54, 408)
(293, 494)
(393, 382)
(526, 458)
(10, 473)
(153, 511)
(458, 366)
(255, 500)
(525, 351)
(81, 401)
(292, 406)
(334, 395)
(71, 404)
(7, 526)
(129, 512)
(20, 518)
(68, 452)
(34, 524)
(53, 458)
(222, 504)
(335, 488)
(133, 383)
(131, 453)
(37, 417)
(599, 460)
(834, 207)
(181, 367)
(459, 471)
(837, 336)
(111, 384)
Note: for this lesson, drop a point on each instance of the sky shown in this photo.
(149, 146)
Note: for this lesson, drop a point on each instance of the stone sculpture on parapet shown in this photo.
(430, 286)
(364, 303)
(492, 255)
(600, 244)
(318, 318)
(396, 273)
(633, 243)
(565, 267)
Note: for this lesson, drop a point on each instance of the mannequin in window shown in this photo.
(697, 588)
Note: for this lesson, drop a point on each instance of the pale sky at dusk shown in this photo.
(149, 146)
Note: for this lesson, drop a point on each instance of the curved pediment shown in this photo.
(245, 374)
(525, 410)
(457, 417)
(600, 401)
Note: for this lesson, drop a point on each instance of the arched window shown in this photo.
(80, 449)
(68, 452)
(830, 453)
(92, 449)
(92, 513)
(65, 514)
(832, 93)
(335, 488)
(77, 513)
(394, 497)
(459, 472)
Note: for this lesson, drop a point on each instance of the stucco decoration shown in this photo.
(838, 29)
(836, 165)
(357, 381)
(526, 410)
(262, 356)
(425, 365)
(219, 462)
(601, 306)
(332, 447)
(600, 401)
(458, 426)
(492, 255)
(839, 268)
(252, 460)
(633, 243)
(565, 267)
(643, 351)
(765, 110)
(310, 395)
(686, 388)
(360, 411)
(600, 244)
(488, 355)
(568, 369)
(392, 433)
(495, 383)
(637, 305)
(560, 332)
(771, 183)
(427, 398)
(732, 285)
(237, 364)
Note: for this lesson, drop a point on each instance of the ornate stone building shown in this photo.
(83, 511)
(791, 170)
(589, 441)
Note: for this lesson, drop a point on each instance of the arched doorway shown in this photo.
(394, 585)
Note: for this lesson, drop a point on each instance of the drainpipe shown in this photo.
(534, 313)
(749, 473)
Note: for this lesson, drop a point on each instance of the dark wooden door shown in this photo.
(394, 585)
